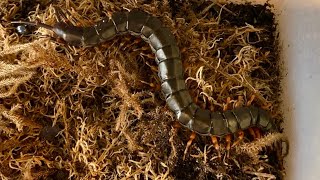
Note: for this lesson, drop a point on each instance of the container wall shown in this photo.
(299, 27)
(300, 35)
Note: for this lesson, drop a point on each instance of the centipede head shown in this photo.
(72, 35)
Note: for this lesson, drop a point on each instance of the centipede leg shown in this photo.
(239, 102)
(212, 107)
(155, 87)
(257, 133)
(192, 137)
(228, 142)
(240, 138)
(215, 143)
(252, 133)
(226, 105)
(228, 137)
(251, 100)
(176, 125)
(266, 106)
(195, 98)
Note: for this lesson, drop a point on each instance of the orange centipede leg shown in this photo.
(156, 87)
(266, 106)
(226, 105)
(239, 102)
(240, 138)
(192, 137)
(176, 126)
(250, 100)
(215, 143)
(228, 141)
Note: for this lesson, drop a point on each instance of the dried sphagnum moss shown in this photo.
(95, 112)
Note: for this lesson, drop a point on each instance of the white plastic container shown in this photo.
(299, 27)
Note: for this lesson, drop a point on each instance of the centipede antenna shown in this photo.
(38, 24)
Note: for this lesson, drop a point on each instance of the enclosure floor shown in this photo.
(97, 112)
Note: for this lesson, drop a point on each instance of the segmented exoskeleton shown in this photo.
(167, 56)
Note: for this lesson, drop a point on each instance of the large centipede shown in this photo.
(168, 58)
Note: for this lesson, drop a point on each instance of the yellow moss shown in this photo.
(102, 106)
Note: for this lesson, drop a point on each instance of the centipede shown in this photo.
(163, 44)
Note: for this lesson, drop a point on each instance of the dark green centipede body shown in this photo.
(167, 56)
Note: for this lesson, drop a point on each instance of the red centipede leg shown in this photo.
(215, 143)
(228, 141)
(240, 138)
(176, 125)
(192, 137)
(252, 133)
(156, 87)
(257, 133)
